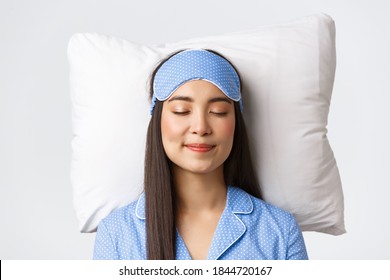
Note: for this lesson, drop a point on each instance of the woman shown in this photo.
(202, 197)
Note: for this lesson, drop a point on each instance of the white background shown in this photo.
(37, 220)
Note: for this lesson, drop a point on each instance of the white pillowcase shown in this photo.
(287, 72)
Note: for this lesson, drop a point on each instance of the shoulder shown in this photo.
(262, 210)
(121, 234)
(270, 231)
(123, 220)
(271, 210)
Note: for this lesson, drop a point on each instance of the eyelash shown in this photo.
(186, 113)
(221, 114)
(180, 113)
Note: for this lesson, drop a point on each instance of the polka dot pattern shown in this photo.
(195, 65)
(249, 229)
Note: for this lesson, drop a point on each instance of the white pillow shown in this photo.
(287, 72)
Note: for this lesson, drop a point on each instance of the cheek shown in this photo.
(226, 129)
(170, 129)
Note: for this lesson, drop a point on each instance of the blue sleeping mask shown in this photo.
(195, 65)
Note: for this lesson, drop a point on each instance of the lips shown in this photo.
(200, 147)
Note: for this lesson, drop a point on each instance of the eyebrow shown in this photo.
(189, 99)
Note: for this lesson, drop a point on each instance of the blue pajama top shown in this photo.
(248, 229)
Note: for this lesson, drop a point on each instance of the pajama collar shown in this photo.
(230, 227)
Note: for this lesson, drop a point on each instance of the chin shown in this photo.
(201, 170)
(199, 167)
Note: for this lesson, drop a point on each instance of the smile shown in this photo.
(202, 148)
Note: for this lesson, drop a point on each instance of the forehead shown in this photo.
(198, 88)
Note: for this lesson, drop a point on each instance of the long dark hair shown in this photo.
(158, 180)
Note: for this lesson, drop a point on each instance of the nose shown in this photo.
(200, 125)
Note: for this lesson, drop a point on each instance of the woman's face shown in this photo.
(197, 126)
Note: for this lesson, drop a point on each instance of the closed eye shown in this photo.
(181, 113)
(219, 113)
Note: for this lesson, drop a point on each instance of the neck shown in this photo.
(199, 192)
